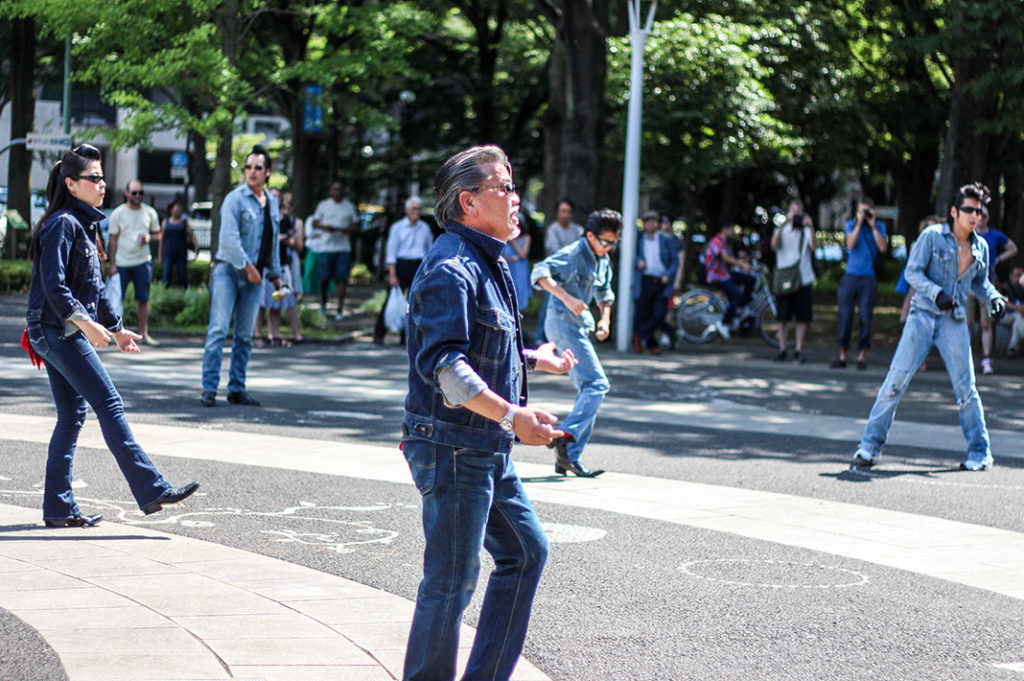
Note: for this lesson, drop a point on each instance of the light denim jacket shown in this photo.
(933, 266)
(582, 274)
(241, 229)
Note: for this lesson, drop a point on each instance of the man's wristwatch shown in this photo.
(506, 420)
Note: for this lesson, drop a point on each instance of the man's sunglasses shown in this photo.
(509, 187)
(256, 168)
(95, 179)
(141, 192)
(971, 209)
(606, 243)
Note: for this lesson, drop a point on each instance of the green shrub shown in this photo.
(15, 275)
(376, 303)
(196, 274)
(196, 311)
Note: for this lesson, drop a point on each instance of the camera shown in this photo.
(868, 214)
(798, 221)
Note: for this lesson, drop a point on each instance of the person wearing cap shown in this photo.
(656, 264)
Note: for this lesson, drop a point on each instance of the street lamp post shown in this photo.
(631, 180)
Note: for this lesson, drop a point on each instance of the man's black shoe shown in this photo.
(172, 496)
(243, 398)
(208, 399)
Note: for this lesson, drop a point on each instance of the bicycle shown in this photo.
(701, 306)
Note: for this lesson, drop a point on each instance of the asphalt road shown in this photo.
(623, 597)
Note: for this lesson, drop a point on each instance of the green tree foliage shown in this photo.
(707, 114)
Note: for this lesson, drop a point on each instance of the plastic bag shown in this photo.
(112, 290)
(395, 310)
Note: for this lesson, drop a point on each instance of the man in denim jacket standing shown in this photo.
(466, 405)
(249, 228)
(947, 262)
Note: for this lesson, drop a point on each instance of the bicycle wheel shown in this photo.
(768, 323)
(697, 310)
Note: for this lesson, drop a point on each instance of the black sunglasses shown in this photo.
(509, 187)
(141, 192)
(254, 167)
(95, 179)
(971, 209)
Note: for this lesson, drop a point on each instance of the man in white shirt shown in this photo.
(656, 263)
(133, 225)
(408, 242)
(559, 234)
(336, 218)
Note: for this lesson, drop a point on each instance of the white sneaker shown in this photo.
(986, 366)
(722, 330)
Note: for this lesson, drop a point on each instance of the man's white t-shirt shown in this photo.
(336, 214)
(558, 237)
(129, 225)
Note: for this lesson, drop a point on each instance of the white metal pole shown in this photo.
(631, 175)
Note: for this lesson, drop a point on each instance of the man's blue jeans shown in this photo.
(78, 377)
(471, 500)
(859, 290)
(589, 378)
(921, 331)
(739, 289)
(230, 294)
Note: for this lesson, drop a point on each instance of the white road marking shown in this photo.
(818, 576)
(974, 555)
(347, 415)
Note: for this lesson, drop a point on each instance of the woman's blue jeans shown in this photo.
(77, 377)
(921, 331)
(588, 376)
(231, 294)
(472, 500)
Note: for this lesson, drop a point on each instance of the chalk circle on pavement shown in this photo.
(773, 574)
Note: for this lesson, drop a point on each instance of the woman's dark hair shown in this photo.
(175, 202)
(72, 165)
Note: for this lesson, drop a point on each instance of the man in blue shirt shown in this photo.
(574, 276)
(466, 405)
(249, 227)
(1000, 247)
(947, 262)
(865, 239)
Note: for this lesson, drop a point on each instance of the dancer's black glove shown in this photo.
(997, 306)
(944, 302)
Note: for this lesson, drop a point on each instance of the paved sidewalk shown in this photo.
(120, 602)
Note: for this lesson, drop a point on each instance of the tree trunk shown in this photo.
(574, 125)
(22, 54)
(222, 171)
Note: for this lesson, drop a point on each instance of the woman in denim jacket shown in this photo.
(68, 318)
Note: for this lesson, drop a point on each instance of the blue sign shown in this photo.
(312, 112)
(179, 159)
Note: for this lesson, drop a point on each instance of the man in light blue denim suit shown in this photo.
(946, 263)
(574, 276)
(249, 228)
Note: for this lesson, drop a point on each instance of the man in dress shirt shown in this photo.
(408, 241)
(559, 234)
(656, 264)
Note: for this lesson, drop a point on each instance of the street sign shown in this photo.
(47, 141)
(179, 159)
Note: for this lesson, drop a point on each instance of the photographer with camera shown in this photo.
(793, 242)
(865, 242)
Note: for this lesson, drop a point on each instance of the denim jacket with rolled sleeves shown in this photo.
(462, 306)
(933, 266)
(582, 274)
(241, 230)
(67, 280)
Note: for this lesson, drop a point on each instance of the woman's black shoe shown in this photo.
(76, 521)
(172, 496)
